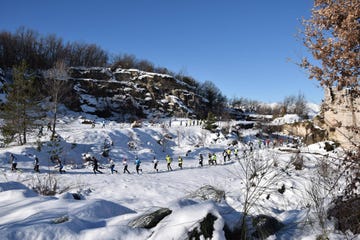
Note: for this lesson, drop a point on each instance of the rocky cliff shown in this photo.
(128, 94)
(341, 113)
(309, 132)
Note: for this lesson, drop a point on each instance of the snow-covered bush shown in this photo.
(45, 185)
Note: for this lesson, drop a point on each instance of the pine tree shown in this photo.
(210, 122)
(20, 109)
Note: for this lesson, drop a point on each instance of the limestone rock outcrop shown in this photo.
(341, 113)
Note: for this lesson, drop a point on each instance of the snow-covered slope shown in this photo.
(109, 201)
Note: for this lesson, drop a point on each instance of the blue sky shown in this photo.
(242, 46)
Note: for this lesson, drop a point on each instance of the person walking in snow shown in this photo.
(251, 146)
(49, 127)
(60, 166)
(137, 165)
(213, 158)
(112, 166)
(236, 151)
(228, 152)
(224, 155)
(36, 164)
(95, 165)
(40, 134)
(13, 162)
(155, 162)
(210, 159)
(201, 159)
(168, 161)
(125, 164)
(180, 162)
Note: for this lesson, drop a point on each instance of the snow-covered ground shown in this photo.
(110, 201)
(288, 118)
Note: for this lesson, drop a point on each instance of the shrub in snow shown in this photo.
(132, 145)
(106, 148)
(45, 185)
(298, 161)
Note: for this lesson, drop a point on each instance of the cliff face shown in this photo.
(128, 94)
(341, 112)
(307, 130)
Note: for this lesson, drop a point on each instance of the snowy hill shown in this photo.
(108, 203)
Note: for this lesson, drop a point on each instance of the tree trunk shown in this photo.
(355, 139)
(55, 116)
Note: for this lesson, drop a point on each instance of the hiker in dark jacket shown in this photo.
(96, 165)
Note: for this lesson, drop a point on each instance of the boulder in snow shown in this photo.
(150, 220)
(265, 226)
(205, 228)
(208, 192)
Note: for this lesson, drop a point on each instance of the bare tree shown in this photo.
(288, 104)
(300, 107)
(260, 178)
(123, 61)
(332, 35)
(57, 85)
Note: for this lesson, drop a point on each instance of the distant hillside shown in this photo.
(129, 94)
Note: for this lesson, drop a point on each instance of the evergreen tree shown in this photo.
(20, 109)
(215, 100)
(210, 122)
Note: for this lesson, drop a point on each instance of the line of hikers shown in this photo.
(212, 160)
